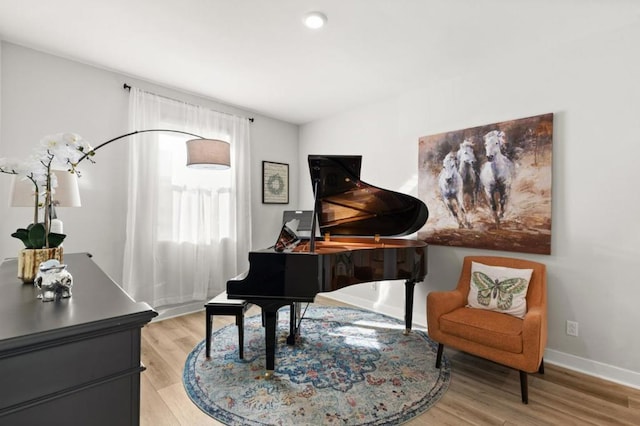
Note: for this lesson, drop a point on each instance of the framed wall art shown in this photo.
(489, 186)
(275, 183)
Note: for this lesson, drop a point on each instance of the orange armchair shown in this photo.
(501, 338)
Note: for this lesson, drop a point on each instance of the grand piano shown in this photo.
(354, 220)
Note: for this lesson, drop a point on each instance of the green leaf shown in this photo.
(33, 237)
(37, 235)
(23, 235)
(55, 239)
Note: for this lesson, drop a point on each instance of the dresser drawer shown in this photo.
(58, 367)
(113, 403)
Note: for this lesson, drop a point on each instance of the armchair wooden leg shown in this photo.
(524, 388)
(541, 368)
(439, 355)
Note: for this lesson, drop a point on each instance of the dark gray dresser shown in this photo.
(71, 362)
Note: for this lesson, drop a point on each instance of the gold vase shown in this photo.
(29, 261)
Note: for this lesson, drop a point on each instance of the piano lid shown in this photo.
(349, 206)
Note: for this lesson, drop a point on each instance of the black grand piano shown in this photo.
(354, 219)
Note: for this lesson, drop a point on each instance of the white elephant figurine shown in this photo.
(54, 282)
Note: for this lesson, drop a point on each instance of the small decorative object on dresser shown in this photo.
(53, 281)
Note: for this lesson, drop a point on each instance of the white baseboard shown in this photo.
(571, 362)
(593, 368)
(178, 310)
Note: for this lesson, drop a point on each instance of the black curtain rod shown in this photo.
(125, 86)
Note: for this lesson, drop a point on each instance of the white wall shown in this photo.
(44, 94)
(592, 86)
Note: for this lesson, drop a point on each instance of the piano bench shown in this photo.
(221, 305)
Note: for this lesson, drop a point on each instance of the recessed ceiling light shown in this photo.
(315, 20)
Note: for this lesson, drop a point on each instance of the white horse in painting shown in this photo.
(467, 168)
(450, 183)
(497, 173)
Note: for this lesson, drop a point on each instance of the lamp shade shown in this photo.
(208, 154)
(66, 193)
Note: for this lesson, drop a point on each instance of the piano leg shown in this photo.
(409, 285)
(294, 316)
(270, 317)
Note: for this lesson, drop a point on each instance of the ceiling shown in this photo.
(257, 55)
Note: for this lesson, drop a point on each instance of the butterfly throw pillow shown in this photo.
(500, 289)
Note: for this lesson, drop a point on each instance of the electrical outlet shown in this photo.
(572, 328)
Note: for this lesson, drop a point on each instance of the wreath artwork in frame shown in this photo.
(489, 186)
(275, 183)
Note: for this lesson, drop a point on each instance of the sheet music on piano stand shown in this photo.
(305, 218)
(296, 227)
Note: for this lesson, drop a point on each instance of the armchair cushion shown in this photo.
(499, 288)
(488, 328)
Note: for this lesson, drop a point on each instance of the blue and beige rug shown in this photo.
(350, 367)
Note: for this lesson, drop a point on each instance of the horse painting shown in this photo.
(497, 173)
(489, 186)
(466, 159)
(450, 183)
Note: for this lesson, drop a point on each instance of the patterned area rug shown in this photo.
(349, 367)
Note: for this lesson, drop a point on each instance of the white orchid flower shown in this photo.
(64, 149)
(11, 166)
(56, 151)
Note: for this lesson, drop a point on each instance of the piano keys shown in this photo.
(354, 219)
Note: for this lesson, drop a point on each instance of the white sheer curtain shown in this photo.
(188, 231)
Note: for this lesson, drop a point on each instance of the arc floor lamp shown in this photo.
(202, 153)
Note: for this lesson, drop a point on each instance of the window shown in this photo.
(198, 201)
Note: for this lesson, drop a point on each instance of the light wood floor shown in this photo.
(480, 392)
